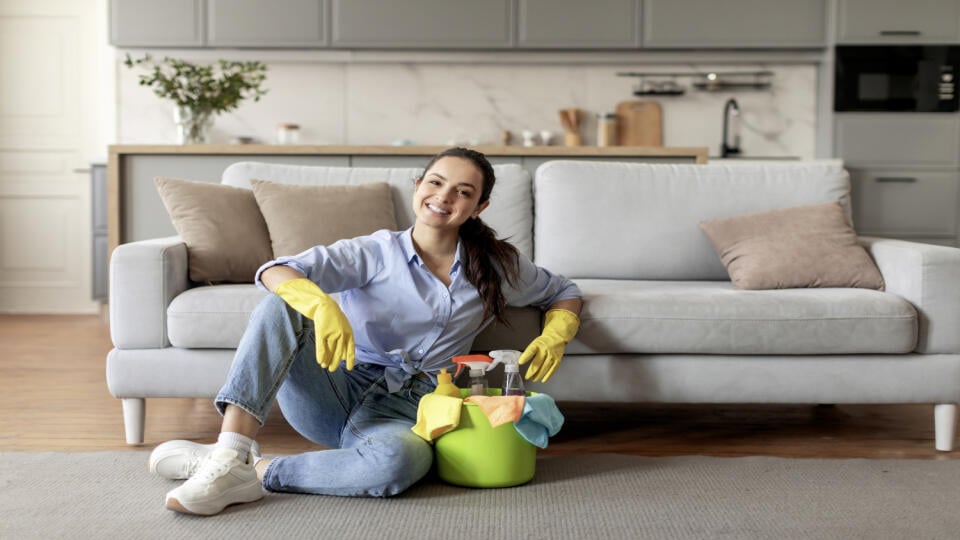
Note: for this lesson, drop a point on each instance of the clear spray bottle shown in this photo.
(512, 381)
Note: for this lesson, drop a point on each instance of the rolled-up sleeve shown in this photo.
(345, 264)
(538, 287)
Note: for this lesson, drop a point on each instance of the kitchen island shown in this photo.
(135, 211)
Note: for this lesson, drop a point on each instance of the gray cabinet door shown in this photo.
(426, 24)
(905, 203)
(734, 23)
(266, 24)
(148, 23)
(578, 24)
(925, 140)
(896, 21)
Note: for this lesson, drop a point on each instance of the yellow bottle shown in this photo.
(445, 385)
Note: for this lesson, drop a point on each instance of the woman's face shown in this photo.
(449, 193)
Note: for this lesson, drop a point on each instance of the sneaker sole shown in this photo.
(172, 503)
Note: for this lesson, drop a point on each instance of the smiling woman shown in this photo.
(409, 302)
(456, 187)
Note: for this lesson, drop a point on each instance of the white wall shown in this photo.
(442, 102)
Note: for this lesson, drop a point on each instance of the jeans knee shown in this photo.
(401, 466)
(272, 304)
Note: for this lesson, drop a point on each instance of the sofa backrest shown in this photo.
(511, 203)
(640, 221)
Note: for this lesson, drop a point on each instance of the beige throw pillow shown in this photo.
(802, 246)
(301, 217)
(226, 236)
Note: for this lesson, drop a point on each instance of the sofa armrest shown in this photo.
(144, 277)
(927, 276)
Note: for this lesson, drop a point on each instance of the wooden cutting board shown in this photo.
(639, 123)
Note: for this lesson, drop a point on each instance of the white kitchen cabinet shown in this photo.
(422, 24)
(576, 24)
(148, 23)
(734, 23)
(274, 24)
(895, 21)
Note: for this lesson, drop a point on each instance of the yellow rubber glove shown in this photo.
(559, 327)
(334, 337)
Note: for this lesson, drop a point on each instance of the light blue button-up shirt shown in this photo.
(402, 316)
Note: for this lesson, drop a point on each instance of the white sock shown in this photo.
(236, 441)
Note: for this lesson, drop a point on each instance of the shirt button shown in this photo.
(420, 351)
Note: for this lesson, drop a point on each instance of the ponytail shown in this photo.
(485, 254)
(489, 260)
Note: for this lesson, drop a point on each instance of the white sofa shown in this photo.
(661, 321)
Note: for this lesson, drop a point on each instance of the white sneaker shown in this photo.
(220, 480)
(177, 460)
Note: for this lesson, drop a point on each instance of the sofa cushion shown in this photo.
(211, 317)
(643, 217)
(300, 217)
(511, 204)
(712, 317)
(214, 317)
(225, 234)
(801, 246)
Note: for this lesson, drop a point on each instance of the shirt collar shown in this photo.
(410, 254)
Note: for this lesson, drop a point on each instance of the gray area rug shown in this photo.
(606, 496)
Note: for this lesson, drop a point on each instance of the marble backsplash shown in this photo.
(444, 103)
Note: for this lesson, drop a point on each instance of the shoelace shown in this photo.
(193, 461)
(212, 468)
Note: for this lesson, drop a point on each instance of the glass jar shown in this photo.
(607, 129)
(288, 134)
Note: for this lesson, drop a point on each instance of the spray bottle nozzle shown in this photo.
(480, 362)
(509, 358)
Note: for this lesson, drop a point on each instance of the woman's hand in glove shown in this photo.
(334, 337)
(546, 351)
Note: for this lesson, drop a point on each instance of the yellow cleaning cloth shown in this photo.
(499, 409)
(436, 415)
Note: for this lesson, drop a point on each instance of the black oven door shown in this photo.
(918, 78)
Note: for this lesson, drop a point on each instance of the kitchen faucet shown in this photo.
(731, 135)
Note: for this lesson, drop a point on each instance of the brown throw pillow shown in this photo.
(801, 246)
(226, 236)
(301, 217)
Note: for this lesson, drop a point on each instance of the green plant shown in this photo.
(203, 89)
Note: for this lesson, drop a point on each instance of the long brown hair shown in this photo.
(486, 255)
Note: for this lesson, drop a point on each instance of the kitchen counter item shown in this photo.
(570, 118)
(288, 133)
(607, 129)
(639, 123)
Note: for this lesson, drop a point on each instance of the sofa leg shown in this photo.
(945, 423)
(134, 414)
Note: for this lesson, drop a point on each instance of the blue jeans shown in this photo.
(372, 451)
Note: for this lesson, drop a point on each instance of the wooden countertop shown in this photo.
(119, 152)
(697, 153)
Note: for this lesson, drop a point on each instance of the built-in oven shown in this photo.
(916, 78)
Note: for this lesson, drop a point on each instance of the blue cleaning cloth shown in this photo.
(540, 420)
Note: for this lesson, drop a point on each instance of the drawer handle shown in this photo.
(899, 32)
(897, 179)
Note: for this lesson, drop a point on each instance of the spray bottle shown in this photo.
(479, 364)
(512, 381)
(445, 385)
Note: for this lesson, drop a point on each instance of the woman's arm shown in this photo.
(572, 305)
(275, 275)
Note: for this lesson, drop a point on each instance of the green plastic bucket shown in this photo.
(477, 455)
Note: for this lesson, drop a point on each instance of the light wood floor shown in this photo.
(54, 397)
